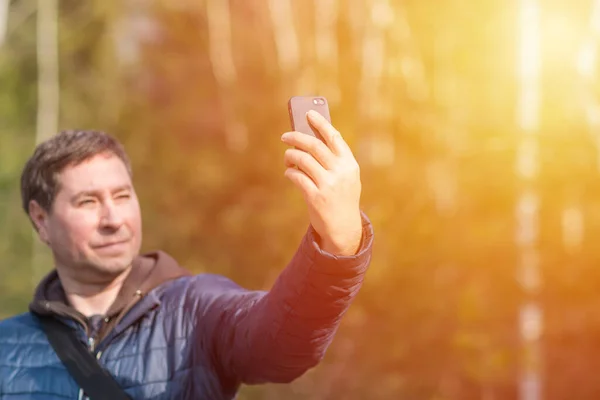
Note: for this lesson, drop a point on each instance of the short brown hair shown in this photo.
(39, 179)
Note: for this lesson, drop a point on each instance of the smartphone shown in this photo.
(298, 106)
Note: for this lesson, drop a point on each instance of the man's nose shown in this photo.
(111, 216)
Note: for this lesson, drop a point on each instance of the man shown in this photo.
(159, 331)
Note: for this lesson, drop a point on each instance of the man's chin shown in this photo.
(112, 266)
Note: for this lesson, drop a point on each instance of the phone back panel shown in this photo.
(298, 106)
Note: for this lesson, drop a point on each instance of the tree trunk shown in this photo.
(48, 100)
(4, 6)
(218, 15)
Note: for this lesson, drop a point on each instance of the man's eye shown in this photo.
(124, 196)
(86, 202)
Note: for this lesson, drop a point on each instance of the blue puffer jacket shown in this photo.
(200, 337)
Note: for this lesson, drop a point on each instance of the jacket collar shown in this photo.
(149, 271)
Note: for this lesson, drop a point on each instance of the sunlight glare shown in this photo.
(529, 64)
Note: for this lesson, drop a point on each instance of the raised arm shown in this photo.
(277, 336)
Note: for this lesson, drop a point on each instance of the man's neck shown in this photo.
(92, 298)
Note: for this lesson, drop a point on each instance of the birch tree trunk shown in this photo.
(4, 6)
(287, 47)
(48, 102)
(372, 101)
(218, 15)
(325, 69)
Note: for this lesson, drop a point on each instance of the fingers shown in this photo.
(301, 181)
(312, 145)
(306, 163)
(332, 137)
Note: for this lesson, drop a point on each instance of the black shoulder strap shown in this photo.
(80, 362)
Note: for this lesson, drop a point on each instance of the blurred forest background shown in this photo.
(476, 125)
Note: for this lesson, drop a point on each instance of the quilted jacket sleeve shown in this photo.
(277, 336)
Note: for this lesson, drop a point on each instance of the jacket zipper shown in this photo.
(91, 344)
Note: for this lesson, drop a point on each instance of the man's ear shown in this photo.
(39, 218)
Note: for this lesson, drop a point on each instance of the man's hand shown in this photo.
(328, 176)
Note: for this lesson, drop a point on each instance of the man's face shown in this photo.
(94, 226)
